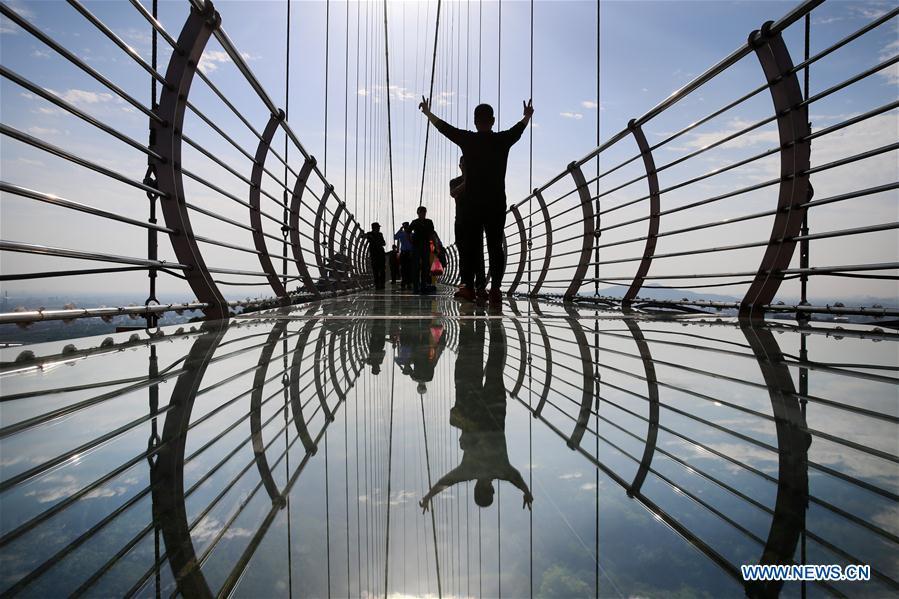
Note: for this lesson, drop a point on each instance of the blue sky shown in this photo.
(648, 49)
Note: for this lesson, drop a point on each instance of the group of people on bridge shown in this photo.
(480, 197)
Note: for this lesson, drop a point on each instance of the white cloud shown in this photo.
(826, 20)
(589, 104)
(212, 59)
(571, 115)
(891, 73)
(701, 140)
(570, 475)
(362, 91)
(40, 54)
(41, 131)
(80, 96)
(23, 12)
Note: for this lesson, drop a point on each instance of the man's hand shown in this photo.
(528, 500)
(528, 109)
(424, 504)
(425, 106)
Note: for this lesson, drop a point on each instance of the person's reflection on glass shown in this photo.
(480, 413)
(420, 344)
(377, 337)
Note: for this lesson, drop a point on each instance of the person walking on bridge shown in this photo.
(486, 154)
(376, 245)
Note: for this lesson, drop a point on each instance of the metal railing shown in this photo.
(296, 217)
(590, 233)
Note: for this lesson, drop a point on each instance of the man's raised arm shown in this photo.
(450, 132)
(515, 131)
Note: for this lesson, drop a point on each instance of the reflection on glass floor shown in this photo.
(287, 453)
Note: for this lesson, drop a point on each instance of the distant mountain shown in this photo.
(658, 293)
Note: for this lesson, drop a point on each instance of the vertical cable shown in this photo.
(327, 61)
(285, 230)
(803, 282)
(430, 99)
(803, 243)
(596, 208)
(150, 179)
(389, 442)
(389, 130)
(499, 64)
(530, 268)
(346, 102)
(424, 427)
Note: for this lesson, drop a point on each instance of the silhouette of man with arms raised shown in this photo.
(486, 154)
(480, 413)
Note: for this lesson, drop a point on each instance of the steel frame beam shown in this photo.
(294, 224)
(296, 407)
(652, 180)
(167, 474)
(792, 127)
(793, 443)
(547, 249)
(317, 233)
(265, 358)
(166, 140)
(262, 149)
(652, 390)
(339, 274)
(523, 253)
(589, 231)
(587, 383)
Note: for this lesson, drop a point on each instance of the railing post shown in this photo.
(262, 149)
(793, 442)
(652, 388)
(262, 366)
(344, 251)
(165, 140)
(793, 130)
(589, 231)
(652, 180)
(332, 238)
(295, 203)
(587, 384)
(317, 233)
(547, 250)
(524, 251)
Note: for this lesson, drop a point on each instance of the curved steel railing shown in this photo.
(191, 167)
(591, 233)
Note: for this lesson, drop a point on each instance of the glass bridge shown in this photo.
(289, 452)
(695, 366)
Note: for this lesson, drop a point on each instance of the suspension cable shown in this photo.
(389, 145)
(430, 99)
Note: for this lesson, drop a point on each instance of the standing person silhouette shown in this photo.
(469, 239)
(480, 414)
(376, 245)
(404, 238)
(486, 154)
(422, 229)
(393, 261)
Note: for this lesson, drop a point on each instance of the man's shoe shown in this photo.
(466, 294)
(495, 297)
(481, 295)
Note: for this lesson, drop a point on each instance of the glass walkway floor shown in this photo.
(292, 452)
